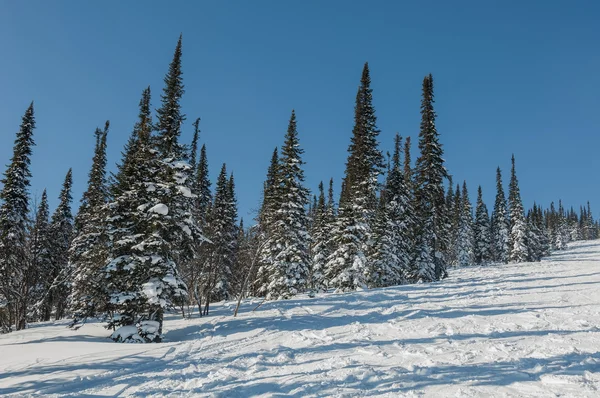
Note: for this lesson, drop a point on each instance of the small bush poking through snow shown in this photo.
(143, 332)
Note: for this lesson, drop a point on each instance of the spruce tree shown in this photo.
(483, 241)
(163, 221)
(170, 117)
(465, 252)
(41, 262)
(266, 220)
(320, 240)
(203, 186)
(289, 270)
(13, 226)
(61, 233)
(89, 248)
(221, 230)
(452, 221)
(499, 224)
(537, 244)
(391, 250)
(429, 264)
(518, 226)
(347, 266)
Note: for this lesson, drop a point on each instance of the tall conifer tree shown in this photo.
(89, 249)
(499, 224)
(429, 264)
(289, 270)
(13, 225)
(483, 244)
(347, 267)
(61, 232)
(518, 226)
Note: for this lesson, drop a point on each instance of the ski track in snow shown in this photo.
(517, 330)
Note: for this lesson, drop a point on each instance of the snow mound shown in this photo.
(159, 209)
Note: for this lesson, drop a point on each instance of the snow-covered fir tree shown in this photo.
(203, 187)
(89, 248)
(266, 220)
(499, 224)
(320, 241)
(561, 233)
(134, 214)
(221, 230)
(481, 229)
(538, 244)
(347, 267)
(61, 233)
(289, 270)
(14, 220)
(429, 264)
(452, 219)
(41, 262)
(154, 230)
(518, 226)
(465, 241)
(390, 258)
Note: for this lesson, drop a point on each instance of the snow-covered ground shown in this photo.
(504, 331)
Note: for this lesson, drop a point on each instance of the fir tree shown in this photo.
(194, 146)
(499, 224)
(289, 270)
(347, 266)
(391, 251)
(365, 161)
(518, 226)
(408, 171)
(89, 248)
(222, 233)
(266, 220)
(41, 262)
(321, 236)
(203, 187)
(452, 220)
(167, 234)
(170, 117)
(483, 244)
(465, 252)
(13, 226)
(61, 233)
(430, 172)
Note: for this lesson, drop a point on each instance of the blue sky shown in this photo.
(510, 77)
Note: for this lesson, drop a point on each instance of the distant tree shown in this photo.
(321, 236)
(465, 252)
(518, 226)
(483, 241)
(499, 224)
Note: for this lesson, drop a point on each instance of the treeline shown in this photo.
(154, 236)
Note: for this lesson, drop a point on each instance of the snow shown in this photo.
(185, 191)
(160, 209)
(529, 329)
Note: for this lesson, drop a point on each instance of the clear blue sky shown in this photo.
(518, 77)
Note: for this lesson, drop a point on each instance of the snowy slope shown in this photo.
(505, 331)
